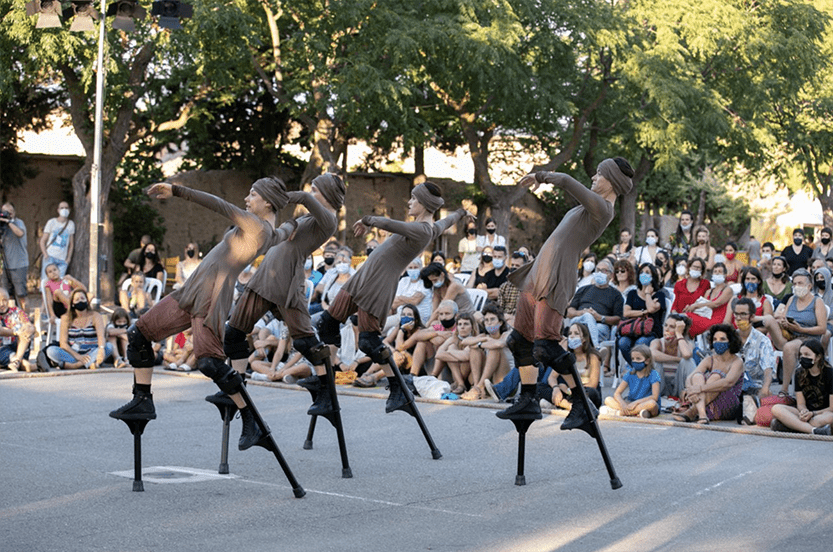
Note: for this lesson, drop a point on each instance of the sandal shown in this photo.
(473, 394)
(682, 417)
(364, 382)
(702, 421)
(458, 389)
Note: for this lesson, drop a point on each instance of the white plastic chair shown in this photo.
(463, 278)
(51, 329)
(153, 286)
(478, 298)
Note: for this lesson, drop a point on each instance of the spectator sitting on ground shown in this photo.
(188, 265)
(508, 292)
(493, 279)
(117, 336)
(445, 288)
(56, 242)
(798, 253)
(757, 353)
(467, 247)
(410, 322)
(713, 389)
(410, 290)
(733, 265)
(624, 276)
(588, 364)
(329, 258)
(82, 341)
(778, 285)
(491, 238)
(642, 383)
(598, 306)
(180, 357)
(713, 307)
(765, 264)
(270, 338)
(815, 264)
(647, 300)
(623, 250)
(691, 288)
(824, 250)
(648, 252)
(461, 353)
(703, 248)
(586, 270)
(136, 298)
(151, 266)
(57, 290)
(813, 390)
(426, 341)
(673, 355)
(493, 344)
(477, 278)
(16, 331)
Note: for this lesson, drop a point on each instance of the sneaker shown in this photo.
(290, 379)
(491, 391)
(185, 368)
(579, 418)
(644, 413)
(607, 411)
(526, 407)
(172, 366)
(257, 376)
(251, 434)
(776, 425)
(140, 408)
(823, 430)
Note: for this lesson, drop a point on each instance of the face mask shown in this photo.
(439, 283)
(491, 230)
(448, 324)
(368, 251)
(650, 240)
(720, 347)
(120, 325)
(717, 278)
(751, 287)
(600, 278)
(150, 255)
(766, 256)
(777, 274)
(806, 363)
(471, 232)
(798, 241)
(308, 264)
(637, 366)
(825, 241)
(573, 343)
(695, 273)
(65, 213)
(512, 269)
(800, 291)
(405, 321)
(659, 263)
(413, 273)
(190, 253)
(498, 263)
(743, 325)
(589, 266)
(730, 256)
(329, 261)
(493, 329)
(487, 259)
(80, 306)
(342, 268)
(681, 271)
(645, 279)
(685, 227)
(820, 284)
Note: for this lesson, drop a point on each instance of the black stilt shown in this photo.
(592, 429)
(522, 426)
(334, 416)
(137, 427)
(268, 442)
(410, 405)
(227, 412)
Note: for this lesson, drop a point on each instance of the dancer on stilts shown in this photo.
(371, 290)
(204, 300)
(548, 284)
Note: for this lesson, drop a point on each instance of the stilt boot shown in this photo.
(221, 400)
(526, 406)
(323, 402)
(251, 434)
(579, 418)
(140, 408)
(397, 400)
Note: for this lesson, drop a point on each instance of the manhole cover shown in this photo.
(174, 474)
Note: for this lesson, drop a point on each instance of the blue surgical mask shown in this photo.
(637, 366)
(600, 278)
(645, 279)
(413, 273)
(498, 263)
(439, 283)
(573, 343)
(342, 268)
(492, 329)
(405, 320)
(720, 347)
(718, 279)
(751, 287)
(308, 264)
(650, 240)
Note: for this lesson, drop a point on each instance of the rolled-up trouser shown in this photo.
(536, 319)
(251, 307)
(166, 319)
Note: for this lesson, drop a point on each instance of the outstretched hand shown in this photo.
(528, 181)
(469, 216)
(161, 190)
(359, 229)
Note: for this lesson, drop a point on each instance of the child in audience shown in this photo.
(642, 383)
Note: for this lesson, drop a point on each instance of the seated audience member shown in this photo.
(17, 332)
(598, 306)
(824, 289)
(439, 258)
(586, 270)
(497, 276)
(588, 364)
(646, 301)
(757, 353)
(445, 288)
(673, 354)
(798, 253)
(478, 277)
(778, 285)
(334, 279)
(136, 298)
(82, 341)
(765, 264)
(643, 385)
(622, 250)
(805, 317)
(813, 390)
(188, 265)
(57, 290)
(461, 354)
(117, 336)
(425, 342)
(507, 299)
(713, 307)
(665, 267)
(527, 254)
(181, 357)
(680, 272)
(410, 322)
(733, 265)
(492, 344)
(713, 389)
(270, 338)
(824, 250)
(410, 291)
(648, 252)
(150, 265)
(690, 288)
(328, 257)
(752, 288)
(703, 249)
(624, 276)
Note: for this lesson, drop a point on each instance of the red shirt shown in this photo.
(684, 298)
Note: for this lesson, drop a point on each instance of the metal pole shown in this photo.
(95, 185)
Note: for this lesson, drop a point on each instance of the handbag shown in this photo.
(763, 417)
(636, 327)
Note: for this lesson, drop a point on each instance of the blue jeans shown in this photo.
(60, 356)
(598, 332)
(627, 343)
(509, 383)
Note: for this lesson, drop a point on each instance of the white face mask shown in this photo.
(718, 278)
(413, 273)
(308, 264)
(650, 240)
(695, 273)
(801, 291)
(498, 263)
(342, 267)
(600, 278)
(681, 270)
(63, 212)
(589, 266)
(766, 256)
(685, 227)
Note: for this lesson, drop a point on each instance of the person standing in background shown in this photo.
(56, 243)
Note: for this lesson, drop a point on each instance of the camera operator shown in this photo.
(15, 254)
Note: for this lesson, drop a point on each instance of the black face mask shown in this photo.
(491, 230)
(806, 363)
(471, 231)
(825, 241)
(798, 241)
(448, 323)
(191, 253)
(150, 255)
(369, 250)
(329, 261)
(659, 263)
(820, 284)
(81, 306)
(487, 259)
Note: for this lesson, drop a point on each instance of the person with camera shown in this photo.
(15, 254)
(56, 243)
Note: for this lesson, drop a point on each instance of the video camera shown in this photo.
(5, 218)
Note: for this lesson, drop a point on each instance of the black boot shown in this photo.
(579, 418)
(526, 406)
(251, 434)
(140, 408)
(319, 388)
(220, 399)
(397, 398)
(313, 384)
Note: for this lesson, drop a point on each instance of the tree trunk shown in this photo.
(419, 165)
(627, 209)
(701, 210)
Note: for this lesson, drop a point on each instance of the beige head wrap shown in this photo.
(273, 190)
(611, 171)
(332, 188)
(427, 199)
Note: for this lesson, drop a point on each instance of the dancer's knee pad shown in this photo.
(312, 349)
(234, 343)
(329, 329)
(227, 379)
(371, 344)
(139, 349)
(521, 349)
(550, 353)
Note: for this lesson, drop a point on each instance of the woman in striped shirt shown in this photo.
(82, 341)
